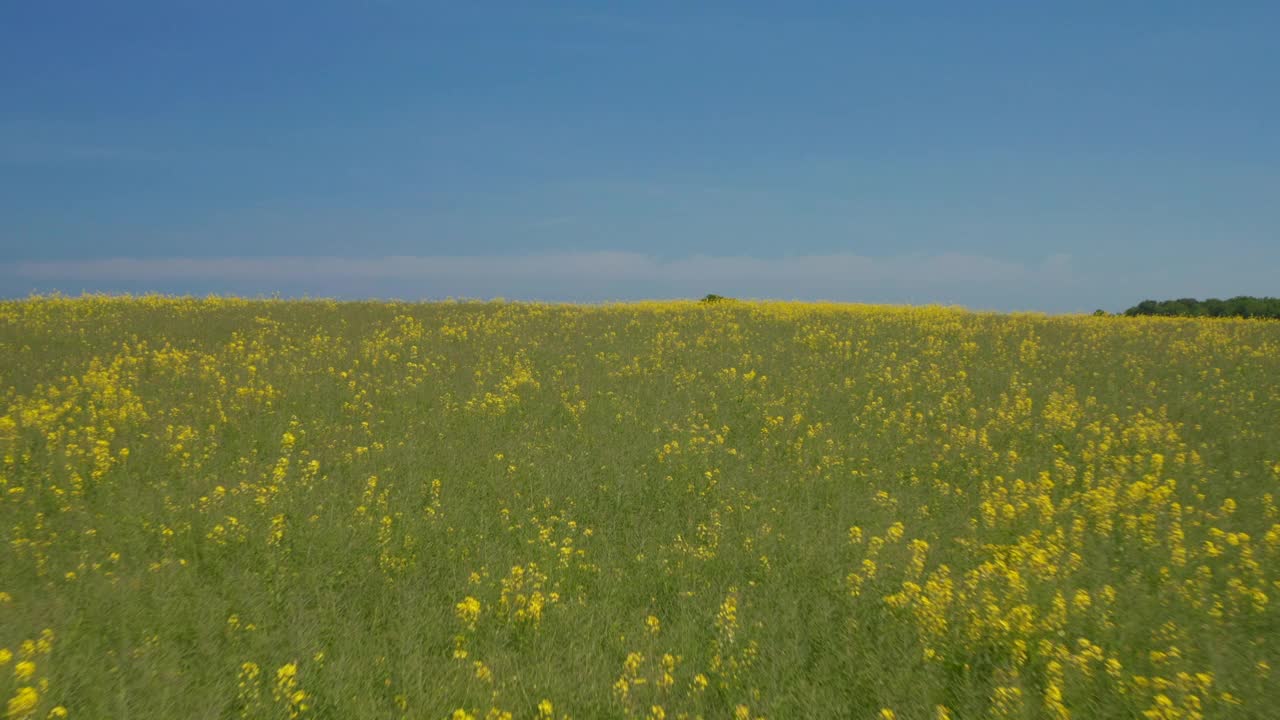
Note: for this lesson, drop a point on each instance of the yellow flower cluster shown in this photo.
(28, 687)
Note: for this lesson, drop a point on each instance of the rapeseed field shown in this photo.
(222, 508)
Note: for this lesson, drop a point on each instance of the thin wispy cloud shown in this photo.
(38, 152)
(947, 278)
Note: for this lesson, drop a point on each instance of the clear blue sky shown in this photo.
(1018, 155)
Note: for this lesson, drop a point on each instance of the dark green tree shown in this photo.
(1239, 306)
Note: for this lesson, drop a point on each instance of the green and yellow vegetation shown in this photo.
(1240, 306)
(265, 509)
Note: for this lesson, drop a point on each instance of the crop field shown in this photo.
(222, 508)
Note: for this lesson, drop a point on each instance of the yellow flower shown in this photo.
(545, 709)
(5, 656)
(887, 714)
(468, 611)
(57, 712)
(653, 624)
(23, 702)
(24, 670)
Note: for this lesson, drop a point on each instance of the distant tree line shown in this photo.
(1242, 306)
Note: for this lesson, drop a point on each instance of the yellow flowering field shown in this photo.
(225, 508)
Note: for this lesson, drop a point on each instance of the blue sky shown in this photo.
(1043, 156)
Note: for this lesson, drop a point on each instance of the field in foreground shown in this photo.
(235, 509)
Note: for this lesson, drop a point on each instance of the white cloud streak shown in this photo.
(948, 278)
